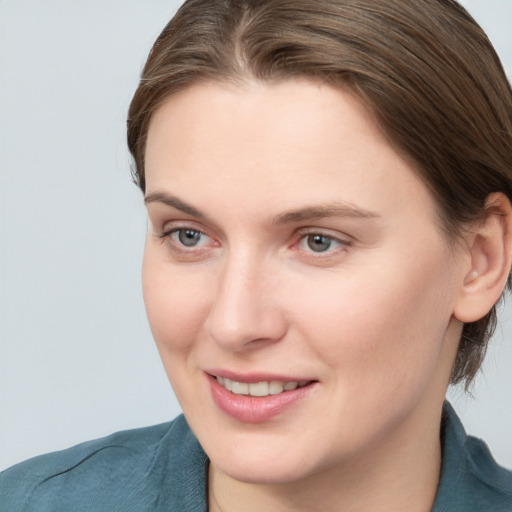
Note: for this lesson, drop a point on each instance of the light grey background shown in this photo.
(76, 356)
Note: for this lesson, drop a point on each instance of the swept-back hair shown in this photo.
(424, 68)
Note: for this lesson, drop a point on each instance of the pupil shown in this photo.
(319, 243)
(189, 237)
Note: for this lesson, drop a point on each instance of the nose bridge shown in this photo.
(244, 308)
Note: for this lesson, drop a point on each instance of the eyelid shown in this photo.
(169, 232)
(174, 229)
(165, 228)
(328, 233)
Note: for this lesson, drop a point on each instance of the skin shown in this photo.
(372, 319)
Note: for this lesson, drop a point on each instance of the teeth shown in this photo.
(260, 388)
(275, 387)
(240, 388)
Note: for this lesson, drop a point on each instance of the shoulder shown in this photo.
(471, 480)
(494, 480)
(120, 472)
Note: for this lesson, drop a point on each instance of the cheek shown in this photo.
(383, 325)
(176, 308)
(174, 303)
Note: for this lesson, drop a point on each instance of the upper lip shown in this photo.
(253, 377)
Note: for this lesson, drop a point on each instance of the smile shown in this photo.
(264, 388)
(259, 400)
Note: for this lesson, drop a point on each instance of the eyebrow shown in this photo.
(336, 209)
(174, 202)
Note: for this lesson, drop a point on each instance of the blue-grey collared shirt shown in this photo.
(163, 468)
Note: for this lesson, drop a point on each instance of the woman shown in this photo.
(328, 189)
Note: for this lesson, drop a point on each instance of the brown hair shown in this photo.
(424, 68)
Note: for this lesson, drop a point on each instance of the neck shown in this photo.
(397, 473)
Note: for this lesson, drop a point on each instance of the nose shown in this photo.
(245, 312)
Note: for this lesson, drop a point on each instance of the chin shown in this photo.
(264, 474)
(273, 465)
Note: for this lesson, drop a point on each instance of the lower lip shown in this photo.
(255, 409)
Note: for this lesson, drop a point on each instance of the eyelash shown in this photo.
(179, 247)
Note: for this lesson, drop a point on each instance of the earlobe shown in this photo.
(491, 256)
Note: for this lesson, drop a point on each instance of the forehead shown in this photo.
(296, 140)
(284, 110)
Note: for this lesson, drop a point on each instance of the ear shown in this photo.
(490, 246)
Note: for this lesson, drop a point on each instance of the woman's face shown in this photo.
(289, 246)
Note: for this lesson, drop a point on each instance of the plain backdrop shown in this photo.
(77, 360)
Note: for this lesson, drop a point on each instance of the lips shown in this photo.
(253, 399)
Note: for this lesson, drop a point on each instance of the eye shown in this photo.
(320, 243)
(184, 238)
(188, 237)
(186, 242)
